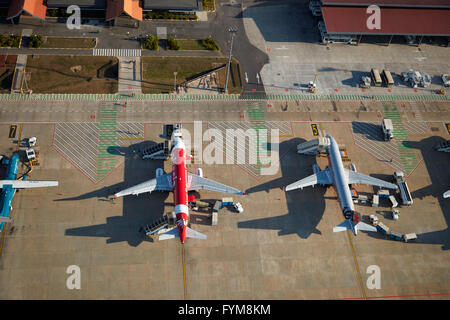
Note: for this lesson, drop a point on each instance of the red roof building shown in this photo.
(394, 21)
(390, 3)
(36, 8)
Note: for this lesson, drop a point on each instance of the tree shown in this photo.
(172, 44)
(151, 42)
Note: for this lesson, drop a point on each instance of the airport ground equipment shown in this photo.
(446, 80)
(31, 155)
(31, 142)
(409, 237)
(417, 78)
(312, 87)
(158, 151)
(227, 202)
(214, 218)
(383, 193)
(313, 147)
(366, 82)
(375, 200)
(443, 146)
(382, 228)
(374, 220)
(161, 225)
(387, 77)
(388, 129)
(376, 77)
(394, 235)
(393, 201)
(403, 187)
(217, 206)
(394, 214)
(238, 207)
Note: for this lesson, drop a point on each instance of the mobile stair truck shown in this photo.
(403, 187)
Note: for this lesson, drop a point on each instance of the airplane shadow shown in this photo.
(137, 211)
(305, 207)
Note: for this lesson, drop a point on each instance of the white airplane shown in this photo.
(340, 178)
(180, 181)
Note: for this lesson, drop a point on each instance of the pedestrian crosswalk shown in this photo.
(117, 52)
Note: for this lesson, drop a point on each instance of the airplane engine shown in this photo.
(352, 167)
(199, 172)
(159, 172)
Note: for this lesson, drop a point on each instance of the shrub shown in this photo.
(35, 41)
(10, 40)
(172, 44)
(210, 44)
(151, 42)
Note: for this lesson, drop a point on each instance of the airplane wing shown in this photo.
(198, 183)
(161, 183)
(321, 177)
(24, 184)
(359, 178)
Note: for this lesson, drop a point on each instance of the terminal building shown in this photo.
(346, 20)
(106, 9)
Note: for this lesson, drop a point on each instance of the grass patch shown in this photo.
(61, 42)
(53, 74)
(234, 79)
(6, 76)
(158, 72)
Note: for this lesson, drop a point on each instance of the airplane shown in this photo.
(340, 178)
(11, 184)
(180, 182)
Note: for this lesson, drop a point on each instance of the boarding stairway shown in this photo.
(443, 146)
(161, 225)
(313, 147)
(159, 151)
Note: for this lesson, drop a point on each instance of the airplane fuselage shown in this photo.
(340, 181)
(8, 191)
(179, 182)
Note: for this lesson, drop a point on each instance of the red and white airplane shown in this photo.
(180, 181)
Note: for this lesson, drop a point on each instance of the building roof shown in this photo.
(352, 20)
(390, 3)
(98, 4)
(115, 8)
(171, 4)
(36, 8)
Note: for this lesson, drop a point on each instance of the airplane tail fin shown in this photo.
(171, 234)
(354, 223)
(190, 233)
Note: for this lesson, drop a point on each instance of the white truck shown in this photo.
(403, 187)
(388, 129)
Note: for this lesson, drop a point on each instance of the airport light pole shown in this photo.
(233, 31)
